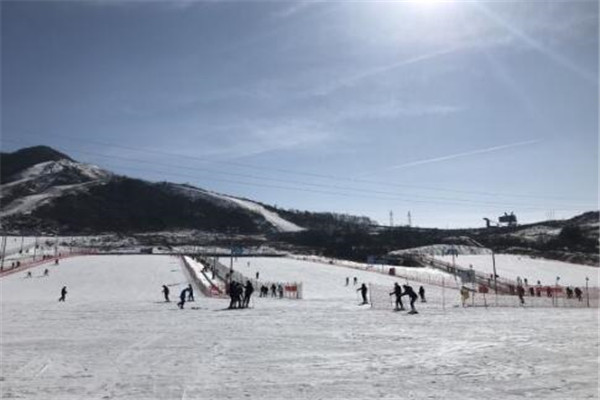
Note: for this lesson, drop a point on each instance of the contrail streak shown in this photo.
(465, 154)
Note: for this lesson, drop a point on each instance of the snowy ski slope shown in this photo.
(512, 266)
(115, 338)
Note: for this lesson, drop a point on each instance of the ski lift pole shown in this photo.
(587, 291)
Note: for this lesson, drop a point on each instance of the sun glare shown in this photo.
(429, 3)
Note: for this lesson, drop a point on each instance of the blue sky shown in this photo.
(453, 110)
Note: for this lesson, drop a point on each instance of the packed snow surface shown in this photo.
(533, 269)
(115, 338)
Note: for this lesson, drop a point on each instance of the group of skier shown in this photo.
(186, 294)
(240, 294)
(276, 290)
(408, 291)
(398, 292)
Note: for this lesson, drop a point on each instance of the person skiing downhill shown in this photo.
(363, 291)
(63, 294)
(408, 291)
(398, 292)
(165, 291)
(422, 294)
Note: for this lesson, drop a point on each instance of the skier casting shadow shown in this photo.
(363, 292)
(398, 292)
(63, 294)
(408, 291)
(182, 297)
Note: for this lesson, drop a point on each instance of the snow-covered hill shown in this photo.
(67, 191)
(273, 219)
(41, 183)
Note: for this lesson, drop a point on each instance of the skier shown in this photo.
(190, 293)
(166, 293)
(247, 293)
(257, 274)
(569, 293)
(347, 280)
(234, 294)
(521, 294)
(408, 291)
(422, 294)
(182, 297)
(56, 262)
(578, 294)
(29, 274)
(363, 291)
(63, 294)
(280, 290)
(46, 272)
(355, 280)
(398, 292)
(273, 290)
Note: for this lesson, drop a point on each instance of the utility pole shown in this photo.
(495, 276)
(35, 246)
(4, 239)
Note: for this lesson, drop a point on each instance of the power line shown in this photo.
(302, 173)
(371, 194)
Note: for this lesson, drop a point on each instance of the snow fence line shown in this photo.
(288, 290)
(381, 299)
(35, 263)
(450, 281)
(196, 271)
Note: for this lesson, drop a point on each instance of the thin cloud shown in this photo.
(465, 154)
(356, 78)
(536, 45)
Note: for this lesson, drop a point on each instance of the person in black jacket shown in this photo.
(63, 294)
(165, 291)
(182, 297)
(247, 293)
(398, 292)
(363, 291)
(408, 291)
(422, 294)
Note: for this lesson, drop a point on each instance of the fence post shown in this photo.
(443, 293)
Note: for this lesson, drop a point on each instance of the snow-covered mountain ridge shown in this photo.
(43, 192)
